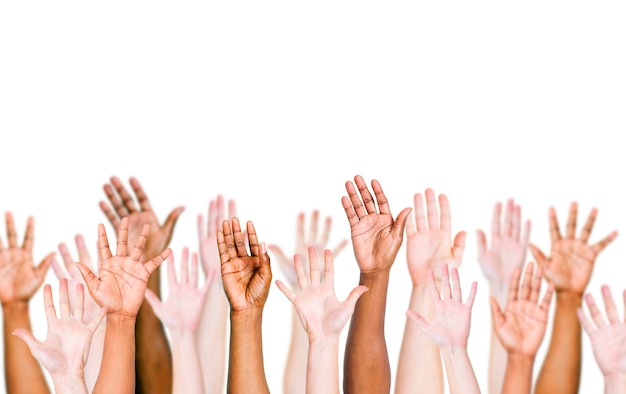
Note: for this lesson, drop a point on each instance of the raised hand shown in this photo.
(303, 241)
(121, 204)
(209, 254)
(123, 277)
(246, 276)
(376, 236)
(450, 325)
(607, 334)
(429, 239)
(571, 259)
(65, 350)
(321, 314)
(522, 325)
(184, 306)
(19, 277)
(508, 247)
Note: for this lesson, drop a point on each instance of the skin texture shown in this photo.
(19, 281)
(181, 314)
(376, 239)
(153, 356)
(212, 334)
(246, 276)
(499, 258)
(429, 246)
(449, 329)
(120, 288)
(296, 363)
(607, 333)
(322, 316)
(520, 328)
(569, 266)
(65, 350)
(70, 272)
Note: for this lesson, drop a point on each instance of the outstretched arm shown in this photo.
(521, 327)
(429, 245)
(19, 281)
(449, 329)
(153, 357)
(181, 313)
(323, 317)
(376, 239)
(120, 288)
(296, 363)
(65, 350)
(569, 267)
(246, 277)
(608, 340)
(506, 252)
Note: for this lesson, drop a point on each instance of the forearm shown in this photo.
(561, 368)
(187, 377)
(419, 363)
(461, 376)
(212, 339)
(117, 374)
(23, 373)
(497, 353)
(245, 364)
(518, 377)
(296, 363)
(615, 384)
(366, 362)
(153, 358)
(322, 375)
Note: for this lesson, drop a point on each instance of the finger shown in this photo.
(154, 263)
(366, 200)
(11, 232)
(354, 296)
(337, 249)
(110, 215)
(431, 209)
(445, 217)
(140, 243)
(535, 286)
(97, 320)
(481, 242)
(585, 232)
(594, 311)
(142, 198)
(265, 267)
(570, 231)
(104, 251)
(516, 220)
(226, 242)
(325, 235)
(381, 199)
(252, 240)
(170, 266)
(155, 303)
(91, 280)
(609, 305)
(445, 282)
(314, 269)
(202, 233)
(208, 281)
(495, 220)
(525, 235)
(508, 218)
(585, 322)
(127, 199)
(122, 238)
(352, 205)
(547, 297)
(68, 261)
(56, 268)
(184, 266)
(116, 202)
(240, 245)
(193, 270)
(64, 299)
(469, 302)
(600, 245)
(514, 285)
(312, 238)
(329, 269)
(48, 303)
(420, 216)
(456, 285)
(555, 233)
(496, 313)
(432, 287)
(539, 257)
(300, 234)
(42, 269)
(526, 281)
(79, 302)
(419, 319)
(301, 274)
(29, 235)
(285, 290)
(400, 223)
(170, 223)
(28, 338)
(458, 246)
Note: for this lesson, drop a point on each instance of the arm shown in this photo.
(65, 350)
(449, 329)
(181, 313)
(91, 309)
(498, 261)
(19, 281)
(569, 267)
(521, 327)
(429, 246)
(376, 239)
(608, 340)
(120, 289)
(323, 317)
(296, 363)
(153, 357)
(246, 278)
(212, 334)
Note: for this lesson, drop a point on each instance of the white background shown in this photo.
(278, 103)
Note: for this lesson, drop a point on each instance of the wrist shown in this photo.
(520, 360)
(15, 307)
(322, 341)
(569, 298)
(615, 382)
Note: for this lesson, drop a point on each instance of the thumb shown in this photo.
(28, 338)
(42, 268)
(354, 296)
(400, 223)
(91, 280)
(496, 313)
(170, 222)
(459, 243)
(539, 256)
(419, 319)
